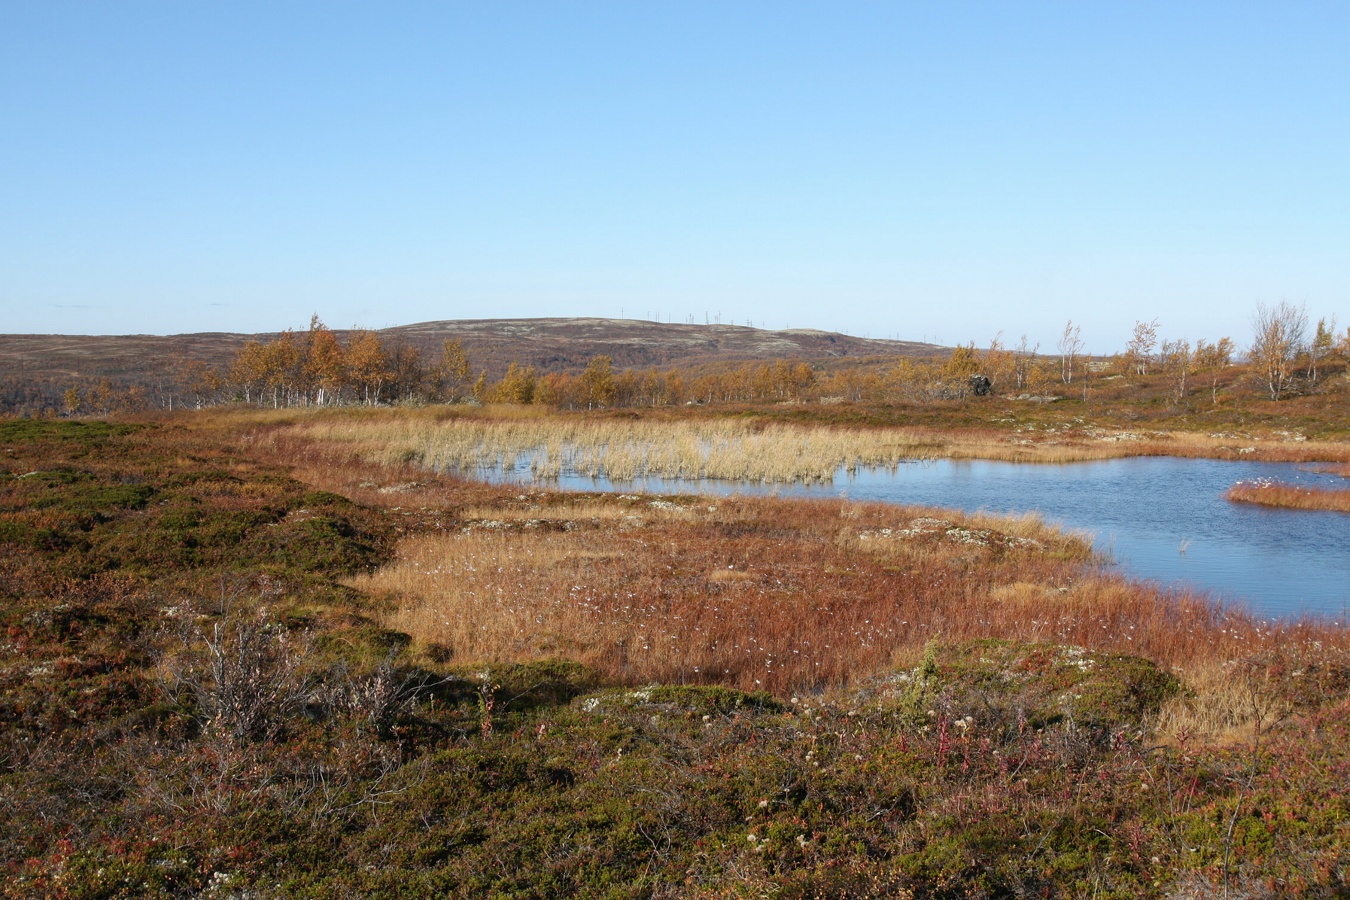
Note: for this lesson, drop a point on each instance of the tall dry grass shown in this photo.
(546, 446)
(625, 451)
(734, 593)
(794, 596)
(1289, 496)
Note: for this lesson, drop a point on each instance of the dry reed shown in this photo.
(543, 446)
(1289, 496)
(625, 451)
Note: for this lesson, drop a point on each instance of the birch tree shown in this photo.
(367, 364)
(1323, 342)
(454, 371)
(1279, 335)
(1070, 345)
(1139, 350)
(1177, 360)
(325, 364)
(1213, 359)
(1024, 358)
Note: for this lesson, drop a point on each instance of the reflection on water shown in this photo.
(1162, 519)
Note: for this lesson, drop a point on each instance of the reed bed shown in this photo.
(1289, 496)
(626, 451)
(544, 447)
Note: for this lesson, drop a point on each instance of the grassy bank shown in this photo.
(241, 658)
(1289, 496)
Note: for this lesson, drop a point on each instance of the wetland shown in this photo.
(1160, 519)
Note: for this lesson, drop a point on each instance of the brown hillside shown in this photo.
(548, 344)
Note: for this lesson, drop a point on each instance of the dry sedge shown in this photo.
(546, 446)
(793, 596)
(624, 450)
(1289, 496)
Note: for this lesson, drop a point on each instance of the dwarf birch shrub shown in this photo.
(243, 676)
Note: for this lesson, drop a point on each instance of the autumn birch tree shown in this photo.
(324, 364)
(1139, 350)
(408, 377)
(1213, 359)
(1323, 342)
(1177, 361)
(249, 369)
(367, 364)
(997, 362)
(516, 386)
(596, 384)
(1024, 358)
(1280, 331)
(453, 371)
(282, 362)
(1070, 344)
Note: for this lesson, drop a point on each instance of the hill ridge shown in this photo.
(547, 343)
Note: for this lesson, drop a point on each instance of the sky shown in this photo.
(939, 171)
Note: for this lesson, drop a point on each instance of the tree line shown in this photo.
(317, 367)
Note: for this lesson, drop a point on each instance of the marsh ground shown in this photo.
(246, 655)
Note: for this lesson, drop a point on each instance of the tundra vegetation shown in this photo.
(285, 644)
(273, 653)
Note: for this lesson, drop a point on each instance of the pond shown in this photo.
(1159, 518)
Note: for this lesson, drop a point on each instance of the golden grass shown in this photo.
(543, 446)
(1289, 496)
(624, 451)
(1222, 706)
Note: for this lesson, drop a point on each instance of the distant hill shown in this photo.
(567, 344)
(548, 344)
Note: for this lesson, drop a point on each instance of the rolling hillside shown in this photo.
(547, 344)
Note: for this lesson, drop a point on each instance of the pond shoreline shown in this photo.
(1160, 519)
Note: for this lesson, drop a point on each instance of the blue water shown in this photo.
(1160, 519)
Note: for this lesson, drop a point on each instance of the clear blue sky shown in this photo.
(928, 170)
